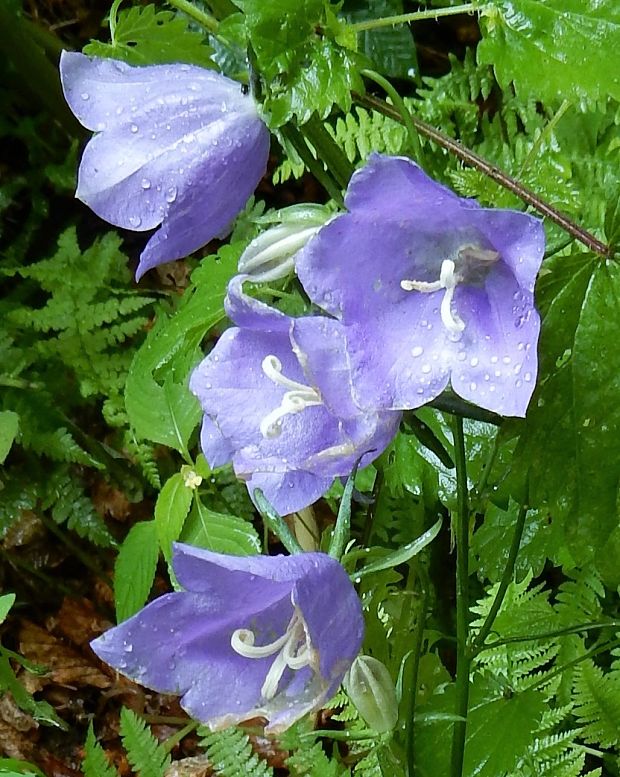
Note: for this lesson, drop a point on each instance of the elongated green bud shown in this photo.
(370, 688)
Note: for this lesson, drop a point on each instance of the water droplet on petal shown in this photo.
(171, 194)
(473, 386)
(494, 359)
(426, 368)
(516, 369)
(146, 184)
(134, 128)
(417, 350)
(135, 221)
(527, 377)
(506, 360)
(85, 96)
(474, 361)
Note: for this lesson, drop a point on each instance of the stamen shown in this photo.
(448, 280)
(298, 398)
(293, 651)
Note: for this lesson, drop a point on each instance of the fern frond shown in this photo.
(95, 763)
(231, 755)
(69, 504)
(144, 752)
(367, 131)
(596, 696)
(311, 761)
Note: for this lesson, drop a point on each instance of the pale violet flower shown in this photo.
(276, 393)
(432, 290)
(252, 636)
(177, 147)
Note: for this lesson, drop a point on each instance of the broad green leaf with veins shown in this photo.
(554, 49)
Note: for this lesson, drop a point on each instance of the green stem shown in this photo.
(174, 740)
(297, 140)
(19, 383)
(415, 16)
(491, 171)
(399, 103)
(372, 507)
(411, 674)
(487, 468)
(532, 153)
(222, 8)
(463, 658)
(595, 651)
(576, 629)
(329, 151)
(210, 23)
(507, 576)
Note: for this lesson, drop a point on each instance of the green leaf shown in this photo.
(146, 36)
(171, 510)
(6, 602)
(134, 570)
(574, 43)
(11, 767)
(220, 532)
(41, 711)
(596, 385)
(159, 404)
(95, 763)
(9, 424)
(401, 555)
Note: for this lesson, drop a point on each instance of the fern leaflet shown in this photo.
(144, 752)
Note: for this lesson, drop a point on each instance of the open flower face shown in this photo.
(276, 393)
(432, 289)
(177, 147)
(254, 636)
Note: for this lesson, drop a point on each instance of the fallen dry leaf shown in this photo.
(78, 621)
(197, 766)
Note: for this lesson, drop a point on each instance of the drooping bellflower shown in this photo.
(177, 147)
(276, 392)
(432, 290)
(253, 636)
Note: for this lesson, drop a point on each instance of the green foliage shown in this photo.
(147, 36)
(573, 43)
(95, 763)
(231, 755)
(9, 424)
(147, 757)
(298, 52)
(220, 532)
(171, 510)
(134, 570)
(597, 704)
(360, 132)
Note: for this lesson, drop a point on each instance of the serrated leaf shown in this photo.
(147, 36)
(171, 510)
(159, 404)
(134, 570)
(574, 43)
(144, 753)
(9, 424)
(220, 532)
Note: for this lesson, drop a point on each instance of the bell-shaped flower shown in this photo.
(251, 636)
(432, 289)
(276, 392)
(177, 147)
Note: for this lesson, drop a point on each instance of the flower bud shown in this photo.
(271, 255)
(370, 688)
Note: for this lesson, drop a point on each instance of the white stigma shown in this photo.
(292, 648)
(297, 398)
(448, 280)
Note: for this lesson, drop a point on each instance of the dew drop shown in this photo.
(494, 359)
(517, 369)
(527, 377)
(474, 361)
(134, 128)
(417, 350)
(461, 356)
(146, 184)
(506, 360)
(473, 386)
(491, 387)
(426, 368)
(119, 110)
(171, 194)
(519, 383)
(85, 96)
(487, 376)
(135, 221)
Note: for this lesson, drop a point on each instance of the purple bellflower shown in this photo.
(432, 289)
(177, 147)
(276, 392)
(251, 636)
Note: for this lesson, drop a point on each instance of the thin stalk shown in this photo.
(210, 23)
(19, 383)
(372, 507)
(595, 651)
(488, 466)
(491, 171)
(578, 628)
(546, 131)
(415, 16)
(463, 658)
(507, 576)
(294, 136)
(399, 103)
(329, 151)
(174, 740)
(412, 673)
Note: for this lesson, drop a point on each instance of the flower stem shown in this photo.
(415, 16)
(399, 103)
(315, 166)
(504, 582)
(463, 657)
(210, 23)
(491, 171)
(578, 628)
(413, 667)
